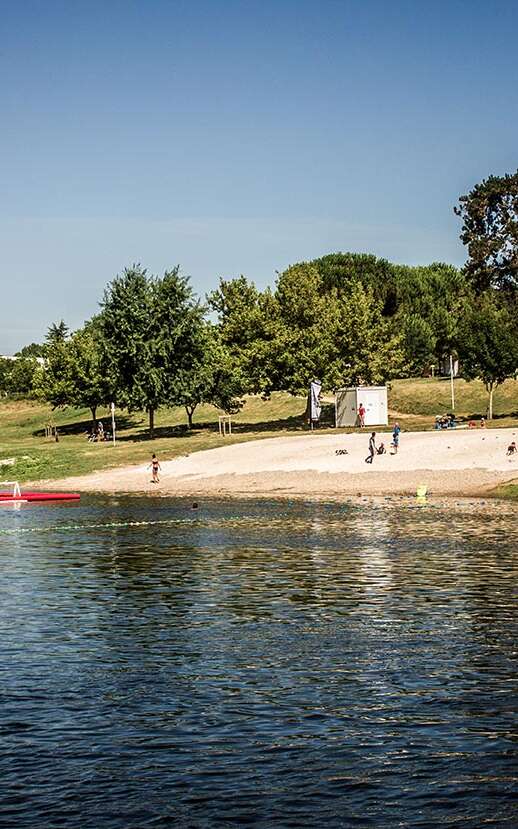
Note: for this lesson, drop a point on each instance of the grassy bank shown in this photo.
(425, 398)
(26, 455)
(509, 490)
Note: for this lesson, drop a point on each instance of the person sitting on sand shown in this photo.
(381, 449)
(372, 448)
(511, 449)
(155, 469)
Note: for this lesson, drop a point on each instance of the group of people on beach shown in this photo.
(374, 449)
(380, 448)
(97, 435)
(445, 421)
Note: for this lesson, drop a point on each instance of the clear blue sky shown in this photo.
(238, 137)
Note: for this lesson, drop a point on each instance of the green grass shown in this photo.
(22, 425)
(508, 490)
(425, 397)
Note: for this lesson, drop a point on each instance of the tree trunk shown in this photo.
(190, 412)
(151, 423)
(490, 406)
(93, 409)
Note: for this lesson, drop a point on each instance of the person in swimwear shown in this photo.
(155, 469)
(372, 448)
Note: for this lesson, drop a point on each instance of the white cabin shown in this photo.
(375, 402)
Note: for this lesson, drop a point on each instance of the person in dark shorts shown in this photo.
(372, 448)
(155, 469)
(395, 437)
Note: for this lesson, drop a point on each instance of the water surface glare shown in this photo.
(258, 663)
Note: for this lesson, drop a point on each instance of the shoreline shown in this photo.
(457, 464)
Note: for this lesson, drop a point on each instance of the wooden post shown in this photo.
(224, 425)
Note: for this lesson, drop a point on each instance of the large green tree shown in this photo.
(148, 327)
(73, 373)
(18, 376)
(127, 331)
(5, 370)
(210, 376)
(310, 327)
(90, 382)
(367, 348)
(284, 337)
(57, 333)
(248, 327)
(54, 381)
(419, 342)
(489, 214)
(31, 350)
(488, 343)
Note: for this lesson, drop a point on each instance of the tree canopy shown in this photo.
(149, 327)
(343, 318)
(489, 213)
(488, 343)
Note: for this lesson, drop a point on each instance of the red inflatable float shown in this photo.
(17, 496)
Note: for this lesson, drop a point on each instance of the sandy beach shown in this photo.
(456, 462)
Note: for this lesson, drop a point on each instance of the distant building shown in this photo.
(40, 360)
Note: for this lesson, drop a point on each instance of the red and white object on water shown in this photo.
(16, 496)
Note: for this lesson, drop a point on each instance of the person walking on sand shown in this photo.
(372, 448)
(395, 436)
(361, 415)
(155, 469)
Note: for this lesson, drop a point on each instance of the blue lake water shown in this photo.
(258, 663)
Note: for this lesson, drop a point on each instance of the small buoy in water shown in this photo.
(421, 491)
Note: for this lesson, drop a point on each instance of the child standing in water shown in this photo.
(155, 469)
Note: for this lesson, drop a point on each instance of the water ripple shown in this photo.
(258, 663)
